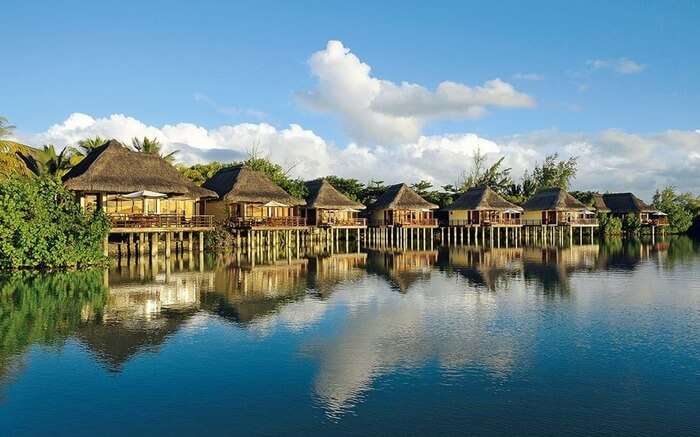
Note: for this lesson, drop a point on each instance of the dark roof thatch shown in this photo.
(401, 196)
(625, 202)
(553, 199)
(321, 194)
(112, 168)
(599, 203)
(242, 184)
(481, 198)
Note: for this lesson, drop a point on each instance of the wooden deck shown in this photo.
(147, 223)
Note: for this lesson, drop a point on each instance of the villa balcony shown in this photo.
(160, 221)
(406, 222)
(343, 223)
(486, 222)
(267, 222)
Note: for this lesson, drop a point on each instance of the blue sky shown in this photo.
(588, 67)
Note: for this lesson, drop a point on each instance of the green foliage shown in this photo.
(47, 163)
(199, 173)
(352, 188)
(11, 162)
(152, 146)
(440, 198)
(278, 175)
(609, 225)
(87, 145)
(631, 224)
(585, 197)
(495, 177)
(681, 208)
(42, 226)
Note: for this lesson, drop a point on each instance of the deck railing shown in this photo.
(577, 221)
(343, 222)
(504, 221)
(407, 222)
(160, 221)
(267, 222)
(661, 221)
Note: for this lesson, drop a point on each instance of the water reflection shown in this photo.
(460, 308)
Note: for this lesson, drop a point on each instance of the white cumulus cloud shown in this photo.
(613, 160)
(378, 111)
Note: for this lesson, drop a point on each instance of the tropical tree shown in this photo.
(5, 128)
(496, 176)
(152, 146)
(87, 145)
(352, 188)
(46, 162)
(553, 173)
(680, 208)
(198, 173)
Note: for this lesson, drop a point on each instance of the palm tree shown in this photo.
(152, 146)
(89, 144)
(5, 128)
(47, 162)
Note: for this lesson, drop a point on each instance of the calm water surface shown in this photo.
(592, 339)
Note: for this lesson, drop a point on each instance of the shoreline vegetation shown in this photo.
(44, 227)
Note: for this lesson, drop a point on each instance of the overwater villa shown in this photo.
(556, 207)
(622, 204)
(481, 206)
(248, 199)
(328, 207)
(402, 207)
(141, 194)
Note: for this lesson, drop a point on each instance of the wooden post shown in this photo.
(154, 244)
(201, 241)
(168, 236)
(105, 246)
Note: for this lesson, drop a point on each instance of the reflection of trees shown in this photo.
(45, 309)
(402, 268)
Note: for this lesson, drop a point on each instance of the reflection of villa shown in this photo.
(140, 316)
(248, 199)
(481, 206)
(325, 272)
(400, 206)
(244, 294)
(485, 267)
(556, 207)
(328, 207)
(402, 268)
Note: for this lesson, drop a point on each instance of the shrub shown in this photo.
(609, 225)
(42, 226)
(631, 224)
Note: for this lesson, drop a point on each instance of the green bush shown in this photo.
(631, 224)
(42, 226)
(681, 208)
(609, 225)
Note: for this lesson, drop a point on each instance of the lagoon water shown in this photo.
(591, 339)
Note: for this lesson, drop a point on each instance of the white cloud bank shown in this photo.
(609, 160)
(377, 111)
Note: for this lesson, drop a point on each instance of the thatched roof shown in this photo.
(112, 168)
(625, 202)
(321, 194)
(599, 203)
(481, 198)
(401, 196)
(553, 199)
(242, 184)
